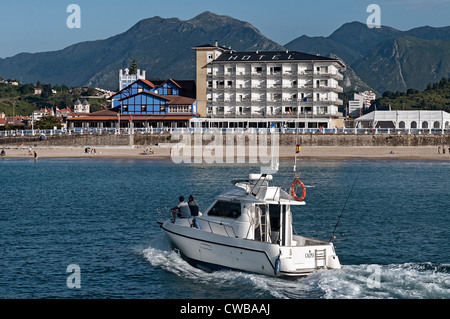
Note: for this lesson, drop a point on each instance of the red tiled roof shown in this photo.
(180, 100)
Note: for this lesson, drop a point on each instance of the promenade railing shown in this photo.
(109, 131)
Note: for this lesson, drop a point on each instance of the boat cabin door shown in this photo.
(262, 229)
(270, 227)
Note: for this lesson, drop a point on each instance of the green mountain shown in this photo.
(379, 59)
(162, 47)
(405, 62)
(385, 58)
(435, 97)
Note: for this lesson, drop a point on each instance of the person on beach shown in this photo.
(182, 210)
(3, 153)
(29, 151)
(193, 206)
(35, 156)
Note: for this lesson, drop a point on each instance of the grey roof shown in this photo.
(400, 115)
(211, 46)
(272, 56)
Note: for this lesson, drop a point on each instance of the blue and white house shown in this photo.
(168, 97)
(144, 104)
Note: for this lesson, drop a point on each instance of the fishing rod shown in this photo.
(342, 212)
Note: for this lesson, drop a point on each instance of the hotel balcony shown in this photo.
(330, 101)
(308, 73)
(286, 73)
(258, 74)
(338, 76)
(336, 89)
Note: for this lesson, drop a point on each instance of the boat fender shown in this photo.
(277, 266)
(294, 185)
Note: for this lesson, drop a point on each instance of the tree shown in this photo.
(26, 89)
(48, 122)
(133, 67)
(46, 91)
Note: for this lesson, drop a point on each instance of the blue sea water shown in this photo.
(100, 214)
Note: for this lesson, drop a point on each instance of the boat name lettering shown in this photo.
(309, 255)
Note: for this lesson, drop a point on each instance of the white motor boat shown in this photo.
(249, 228)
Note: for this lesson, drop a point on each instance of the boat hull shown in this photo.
(218, 251)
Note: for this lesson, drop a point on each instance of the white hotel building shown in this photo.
(265, 89)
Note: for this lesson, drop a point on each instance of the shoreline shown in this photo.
(307, 152)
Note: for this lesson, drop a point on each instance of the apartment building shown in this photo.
(260, 89)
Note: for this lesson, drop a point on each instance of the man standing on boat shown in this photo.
(182, 210)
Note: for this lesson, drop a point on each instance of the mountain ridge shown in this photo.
(163, 47)
(368, 53)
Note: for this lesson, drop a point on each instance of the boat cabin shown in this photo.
(251, 209)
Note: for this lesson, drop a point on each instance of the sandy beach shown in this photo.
(159, 152)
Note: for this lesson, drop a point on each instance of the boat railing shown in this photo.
(164, 213)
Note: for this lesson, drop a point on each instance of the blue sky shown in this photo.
(37, 26)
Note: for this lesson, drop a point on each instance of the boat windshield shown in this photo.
(225, 209)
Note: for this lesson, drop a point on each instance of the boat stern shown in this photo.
(307, 259)
(333, 262)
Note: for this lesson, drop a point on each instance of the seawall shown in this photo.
(285, 139)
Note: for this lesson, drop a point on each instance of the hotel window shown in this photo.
(125, 108)
(323, 83)
(220, 84)
(144, 108)
(276, 70)
(162, 109)
(169, 91)
(140, 90)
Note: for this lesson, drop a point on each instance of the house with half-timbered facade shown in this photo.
(144, 104)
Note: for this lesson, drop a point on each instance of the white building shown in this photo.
(405, 120)
(360, 101)
(298, 89)
(126, 78)
(82, 107)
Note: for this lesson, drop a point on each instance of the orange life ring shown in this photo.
(294, 185)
